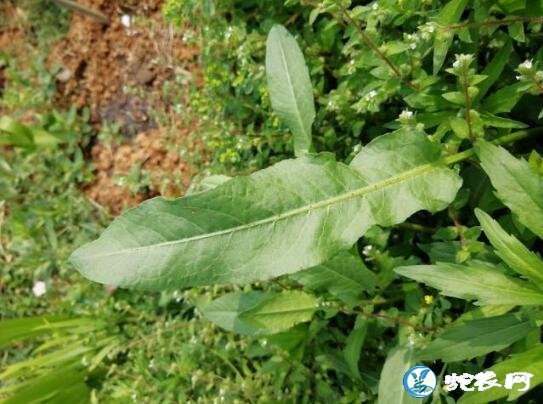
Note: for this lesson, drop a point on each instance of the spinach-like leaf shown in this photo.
(511, 250)
(391, 389)
(260, 313)
(530, 361)
(476, 337)
(345, 276)
(484, 284)
(290, 88)
(518, 186)
(294, 215)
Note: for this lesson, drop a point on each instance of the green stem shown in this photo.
(504, 21)
(367, 40)
(417, 227)
(510, 138)
(465, 85)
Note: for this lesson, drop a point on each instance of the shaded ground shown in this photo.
(120, 72)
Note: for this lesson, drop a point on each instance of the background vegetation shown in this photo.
(457, 71)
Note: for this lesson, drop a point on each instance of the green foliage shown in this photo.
(290, 89)
(310, 206)
(476, 337)
(256, 313)
(344, 276)
(517, 185)
(491, 285)
(398, 361)
(399, 147)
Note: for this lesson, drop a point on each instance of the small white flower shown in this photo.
(371, 94)
(518, 77)
(406, 114)
(126, 20)
(413, 46)
(39, 288)
(456, 64)
(527, 64)
(375, 6)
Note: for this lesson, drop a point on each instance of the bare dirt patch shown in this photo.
(166, 172)
(103, 64)
(119, 71)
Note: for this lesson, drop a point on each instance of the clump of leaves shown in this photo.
(315, 223)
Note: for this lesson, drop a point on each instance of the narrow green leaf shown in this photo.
(512, 251)
(505, 99)
(486, 285)
(23, 328)
(518, 186)
(66, 353)
(460, 127)
(290, 88)
(484, 312)
(449, 14)
(456, 97)
(345, 276)
(291, 216)
(51, 386)
(354, 344)
(500, 122)
(530, 361)
(494, 69)
(15, 133)
(260, 313)
(391, 389)
(476, 337)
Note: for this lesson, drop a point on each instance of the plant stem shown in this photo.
(465, 84)
(395, 320)
(457, 225)
(367, 40)
(505, 21)
(510, 138)
(417, 227)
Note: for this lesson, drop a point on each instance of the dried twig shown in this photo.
(78, 8)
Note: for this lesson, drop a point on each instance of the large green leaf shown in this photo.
(345, 276)
(476, 337)
(530, 361)
(290, 88)
(518, 186)
(511, 250)
(260, 313)
(391, 389)
(486, 285)
(294, 215)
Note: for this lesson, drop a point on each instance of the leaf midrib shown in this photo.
(454, 344)
(257, 314)
(360, 192)
(291, 89)
(352, 281)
